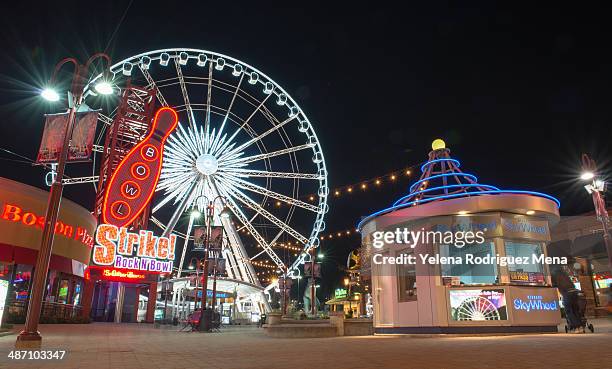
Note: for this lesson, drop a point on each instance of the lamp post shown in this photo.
(596, 189)
(198, 262)
(210, 212)
(29, 336)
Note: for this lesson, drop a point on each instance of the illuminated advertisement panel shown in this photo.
(116, 247)
(4, 284)
(478, 304)
(133, 183)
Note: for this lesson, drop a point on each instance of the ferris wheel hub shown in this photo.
(207, 164)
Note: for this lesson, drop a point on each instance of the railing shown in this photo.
(17, 310)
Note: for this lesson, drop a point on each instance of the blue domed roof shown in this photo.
(442, 179)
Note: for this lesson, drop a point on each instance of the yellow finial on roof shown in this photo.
(438, 144)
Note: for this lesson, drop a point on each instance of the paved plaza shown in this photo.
(132, 346)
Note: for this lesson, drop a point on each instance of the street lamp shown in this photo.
(50, 94)
(209, 217)
(596, 189)
(29, 337)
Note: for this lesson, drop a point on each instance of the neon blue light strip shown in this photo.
(456, 162)
(469, 185)
(471, 176)
(533, 193)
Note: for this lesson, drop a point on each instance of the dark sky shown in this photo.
(518, 93)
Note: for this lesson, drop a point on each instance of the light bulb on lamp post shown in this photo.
(597, 190)
(104, 88)
(50, 94)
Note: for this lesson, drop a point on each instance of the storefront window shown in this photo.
(470, 274)
(407, 288)
(529, 273)
(21, 283)
(62, 295)
(77, 294)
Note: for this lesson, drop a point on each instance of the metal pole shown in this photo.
(29, 336)
(600, 207)
(204, 317)
(313, 294)
(602, 214)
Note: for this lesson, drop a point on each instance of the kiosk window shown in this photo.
(407, 288)
(529, 273)
(466, 272)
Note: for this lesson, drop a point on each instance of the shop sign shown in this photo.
(527, 277)
(122, 275)
(133, 251)
(340, 293)
(534, 303)
(132, 184)
(521, 227)
(535, 306)
(17, 214)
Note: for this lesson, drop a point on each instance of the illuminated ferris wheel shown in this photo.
(241, 137)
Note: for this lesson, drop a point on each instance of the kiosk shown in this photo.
(476, 262)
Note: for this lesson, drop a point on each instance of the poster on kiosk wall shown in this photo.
(478, 304)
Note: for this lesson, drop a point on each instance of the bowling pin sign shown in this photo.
(133, 183)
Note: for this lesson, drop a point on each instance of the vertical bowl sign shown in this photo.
(133, 183)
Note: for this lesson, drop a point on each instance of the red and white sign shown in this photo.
(142, 251)
(133, 183)
(81, 141)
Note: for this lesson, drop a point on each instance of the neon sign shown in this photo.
(133, 183)
(535, 302)
(15, 213)
(134, 251)
(118, 274)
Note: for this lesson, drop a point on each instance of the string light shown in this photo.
(349, 188)
(348, 232)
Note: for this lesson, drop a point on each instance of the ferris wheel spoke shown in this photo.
(244, 124)
(256, 138)
(182, 189)
(218, 139)
(246, 200)
(179, 73)
(231, 203)
(250, 159)
(267, 174)
(264, 191)
(208, 106)
(152, 85)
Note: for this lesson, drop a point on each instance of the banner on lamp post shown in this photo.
(81, 141)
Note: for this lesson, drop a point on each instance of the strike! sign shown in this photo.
(142, 251)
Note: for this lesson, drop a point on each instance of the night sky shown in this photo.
(517, 93)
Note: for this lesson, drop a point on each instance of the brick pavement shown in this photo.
(119, 346)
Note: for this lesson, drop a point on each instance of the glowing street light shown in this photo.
(596, 189)
(30, 336)
(50, 94)
(587, 176)
(104, 88)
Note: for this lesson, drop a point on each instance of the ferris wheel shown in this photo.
(241, 137)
